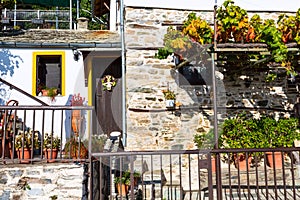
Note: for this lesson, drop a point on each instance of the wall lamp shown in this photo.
(76, 54)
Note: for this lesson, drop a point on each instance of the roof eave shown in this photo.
(59, 45)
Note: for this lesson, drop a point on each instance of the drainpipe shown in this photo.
(215, 107)
(123, 54)
(213, 56)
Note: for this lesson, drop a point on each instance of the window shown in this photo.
(48, 71)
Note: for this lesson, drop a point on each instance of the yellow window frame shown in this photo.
(63, 69)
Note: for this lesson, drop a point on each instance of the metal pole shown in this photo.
(70, 14)
(5, 12)
(77, 9)
(214, 81)
(15, 15)
(214, 56)
(56, 18)
(123, 54)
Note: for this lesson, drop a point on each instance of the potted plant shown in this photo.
(241, 132)
(51, 147)
(24, 143)
(170, 98)
(74, 148)
(123, 182)
(277, 134)
(206, 140)
(50, 92)
(98, 142)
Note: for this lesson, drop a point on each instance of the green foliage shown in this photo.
(53, 197)
(55, 141)
(86, 11)
(233, 25)
(204, 140)
(125, 178)
(72, 148)
(280, 133)
(272, 37)
(8, 3)
(169, 95)
(232, 21)
(26, 139)
(98, 142)
(265, 132)
(271, 77)
(162, 53)
(176, 41)
(289, 26)
(197, 29)
(241, 133)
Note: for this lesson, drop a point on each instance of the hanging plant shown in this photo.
(108, 82)
(234, 26)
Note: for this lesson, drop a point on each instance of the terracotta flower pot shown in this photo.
(122, 189)
(277, 159)
(24, 158)
(241, 162)
(45, 92)
(51, 156)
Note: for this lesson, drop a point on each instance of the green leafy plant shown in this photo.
(289, 26)
(27, 139)
(265, 132)
(198, 29)
(240, 132)
(232, 22)
(72, 147)
(162, 53)
(98, 142)
(169, 95)
(204, 140)
(233, 25)
(50, 92)
(279, 133)
(125, 177)
(51, 142)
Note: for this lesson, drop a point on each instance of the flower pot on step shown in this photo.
(276, 161)
(24, 157)
(122, 189)
(242, 163)
(50, 155)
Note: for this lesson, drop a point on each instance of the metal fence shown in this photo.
(193, 174)
(37, 128)
(36, 18)
(169, 174)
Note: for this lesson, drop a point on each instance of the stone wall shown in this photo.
(150, 125)
(46, 181)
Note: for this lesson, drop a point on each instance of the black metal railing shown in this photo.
(194, 174)
(166, 174)
(25, 127)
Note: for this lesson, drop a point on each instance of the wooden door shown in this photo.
(108, 104)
